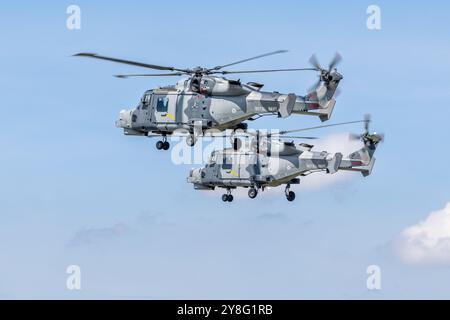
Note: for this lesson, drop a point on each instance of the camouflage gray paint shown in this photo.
(219, 103)
(250, 168)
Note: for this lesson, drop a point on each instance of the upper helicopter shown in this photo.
(207, 100)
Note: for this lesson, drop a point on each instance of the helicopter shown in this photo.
(265, 160)
(207, 100)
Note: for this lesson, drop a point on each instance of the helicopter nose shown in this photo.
(194, 176)
(124, 120)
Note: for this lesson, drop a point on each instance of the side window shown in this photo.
(227, 163)
(146, 101)
(162, 104)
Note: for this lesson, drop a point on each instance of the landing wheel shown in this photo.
(252, 193)
(190, 140)
(159, 145)
(290, 196)
(227, 197)
(166, 145)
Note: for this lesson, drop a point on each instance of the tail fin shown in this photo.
(320, 101)
(363, 160)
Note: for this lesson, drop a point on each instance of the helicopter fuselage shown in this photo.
(274, 163)
(231, 168)
(209, 102)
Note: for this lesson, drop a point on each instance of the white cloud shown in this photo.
(334, 143)
(338, 142)
(88, 236)
(427, 242)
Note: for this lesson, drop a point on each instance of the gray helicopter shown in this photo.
(264, 160)
(207, 100)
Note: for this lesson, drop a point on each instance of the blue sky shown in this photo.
(76, 191)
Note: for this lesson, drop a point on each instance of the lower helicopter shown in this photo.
(265, 160)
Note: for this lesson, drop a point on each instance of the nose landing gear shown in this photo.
(163, 145)
(228, 197)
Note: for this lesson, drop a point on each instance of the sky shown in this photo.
(76, 191)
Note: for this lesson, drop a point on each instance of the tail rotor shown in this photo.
(367, 137)
(334, 62)
(326, 75)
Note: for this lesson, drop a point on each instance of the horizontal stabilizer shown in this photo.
(365, 170)
(327, 110)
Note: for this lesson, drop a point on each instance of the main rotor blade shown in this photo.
(123, 76)
(281, 135)
(259, 71)
(319, 127)
(129, 62)
(299, 137)
(249, 59)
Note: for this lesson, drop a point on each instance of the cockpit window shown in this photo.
(227, 163)
(146, 101)
(162, 104)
